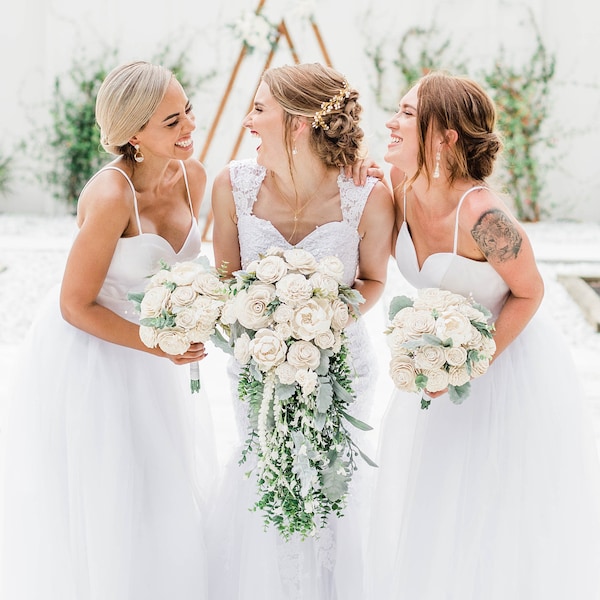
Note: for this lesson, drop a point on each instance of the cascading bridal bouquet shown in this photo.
(438, 340)
(180, 306)
(286, 315)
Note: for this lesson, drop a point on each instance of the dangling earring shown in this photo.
(294, 150)
(436, 170)
(138, 156)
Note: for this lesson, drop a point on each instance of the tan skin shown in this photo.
(105, 213)
(317, 201)
(487, 230)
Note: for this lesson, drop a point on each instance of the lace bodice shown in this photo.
(337, 238)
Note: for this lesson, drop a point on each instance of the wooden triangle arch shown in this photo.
(282, 31)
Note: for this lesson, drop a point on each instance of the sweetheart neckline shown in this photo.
(160, 237)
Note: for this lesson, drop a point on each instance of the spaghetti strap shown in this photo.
(135, 204)
(187, 188)
(477, 187)
(404, 211)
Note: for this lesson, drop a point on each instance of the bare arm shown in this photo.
(375, 227)
(103, 217)
(226, 244)
(504, 244)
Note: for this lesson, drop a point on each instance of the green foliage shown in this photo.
(420, 51)
(6, 166)
(73, 137)
(522, 96)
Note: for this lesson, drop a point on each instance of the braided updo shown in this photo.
(301, 90)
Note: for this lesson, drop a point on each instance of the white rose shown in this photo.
(402, 316)
(229, 312)
(476, 339)
(283, 314)
(301, 260)
(312, 318)
(324, 284)
(267, 349)
(210, 285)
(286, 373)
(458, 375)
(207, 308)
(333, 267)
(304, 355)
(252, 305)
(395, 340)
(200, 333)
(479, 367)
(307, 380)
(419, 322)
(184, 273)
(241, 349)
(186, 318)
(488, 346)
(456, 356)
(340, 314)
(472, 313)
(454, 325)
(324, 340)
(154, 301)
(271, 269)
(437, 380)
(284, 330)
(435, 298)
(161, 277)
(429, 357)
(294, 289)
(251, 267)
(275, 251)
(148, 336)
(403, 374)
(183, 295)
(172, 341)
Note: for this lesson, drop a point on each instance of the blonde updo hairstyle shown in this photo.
(448, 101)
(127, 98)
(300, 90)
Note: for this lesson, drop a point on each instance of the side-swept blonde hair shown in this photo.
(127, 98)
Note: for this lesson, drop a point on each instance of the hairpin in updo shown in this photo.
(334, 104)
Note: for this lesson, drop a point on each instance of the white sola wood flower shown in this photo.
(286, 326)
(439, 340)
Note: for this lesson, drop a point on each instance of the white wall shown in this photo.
(39, 38)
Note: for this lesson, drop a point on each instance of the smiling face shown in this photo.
(168, 132)
(266, 121)
(403, 149)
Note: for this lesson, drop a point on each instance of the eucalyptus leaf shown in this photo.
(397, 304)
(221, 342)
(324, 397)
(334, 480)
(458, 393)
(356, 422)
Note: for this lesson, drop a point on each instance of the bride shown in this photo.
(296, 195)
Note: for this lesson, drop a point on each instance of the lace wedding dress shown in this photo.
(107, 456)
(496, 498)
(249, 562)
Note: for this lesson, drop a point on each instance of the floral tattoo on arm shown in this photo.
(496, 236)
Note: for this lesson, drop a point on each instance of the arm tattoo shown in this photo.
(496, 236)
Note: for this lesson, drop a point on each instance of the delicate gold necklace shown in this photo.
(297, 211)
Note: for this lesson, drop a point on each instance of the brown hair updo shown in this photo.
(448, 101)
(300, 90)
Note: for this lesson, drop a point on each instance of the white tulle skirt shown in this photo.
(107, 457)
(494, 499)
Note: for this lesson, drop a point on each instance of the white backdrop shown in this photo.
(39, 38)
